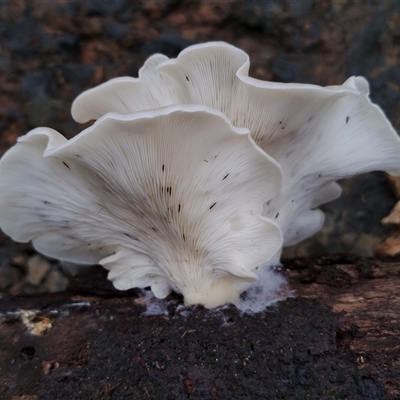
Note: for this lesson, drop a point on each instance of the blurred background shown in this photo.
(50, 51)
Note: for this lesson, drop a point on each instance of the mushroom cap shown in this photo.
(168, 198)
(317, 134)
(126, 94)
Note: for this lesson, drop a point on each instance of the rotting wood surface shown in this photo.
(337, 339)
(365, 294)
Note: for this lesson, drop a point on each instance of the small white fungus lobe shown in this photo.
(194, 175)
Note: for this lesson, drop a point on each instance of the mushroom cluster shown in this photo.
(194, 175)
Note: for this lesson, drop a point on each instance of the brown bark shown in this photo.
(338, 338)
(365, 294)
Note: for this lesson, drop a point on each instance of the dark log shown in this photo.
(337, 338)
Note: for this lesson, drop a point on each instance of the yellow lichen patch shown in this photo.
(35, 323)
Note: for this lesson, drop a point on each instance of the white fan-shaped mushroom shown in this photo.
(168, 198)
(317, 134)
(126, 95)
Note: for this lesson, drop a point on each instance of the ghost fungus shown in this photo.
(317, 134)
(168, 198)
(168, 190)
